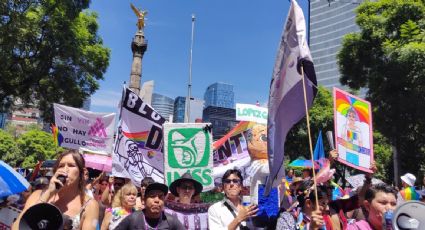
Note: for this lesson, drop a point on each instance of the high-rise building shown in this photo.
(196, 107)
(222, 120)
(329, 22)
(220, 95)
(163, 105)
(179, 109)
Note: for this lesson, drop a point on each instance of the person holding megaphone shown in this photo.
(66, 191)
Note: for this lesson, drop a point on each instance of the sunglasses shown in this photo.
(234, 181)
(186, 187)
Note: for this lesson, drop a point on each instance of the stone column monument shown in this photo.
(138, 47)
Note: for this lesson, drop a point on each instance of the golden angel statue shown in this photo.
(140, 16)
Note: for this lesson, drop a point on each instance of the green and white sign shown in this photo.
(247, 112)
(188, 148)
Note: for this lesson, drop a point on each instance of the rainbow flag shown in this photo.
(352, 135)
(140, 138)
(57, 136)
(239, 128)
(409, 194)
(337, 191)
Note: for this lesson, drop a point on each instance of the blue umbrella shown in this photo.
(303, 163)
(11, 182)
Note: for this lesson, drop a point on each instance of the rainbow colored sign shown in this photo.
(353, 129)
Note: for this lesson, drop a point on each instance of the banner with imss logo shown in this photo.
(188, 148)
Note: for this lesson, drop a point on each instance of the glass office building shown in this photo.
(329, 22)
(163, 105)
(220, 95)
(222, 120)
(179, 109)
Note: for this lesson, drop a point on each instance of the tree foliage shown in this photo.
(383, 157)
(36, 145)
(9, 151)
(50, 52)
(388, 58)
(321, 118)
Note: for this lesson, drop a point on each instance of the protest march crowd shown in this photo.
(107, 202)
(173, 176)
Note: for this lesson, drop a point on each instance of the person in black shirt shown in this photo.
(153, 215)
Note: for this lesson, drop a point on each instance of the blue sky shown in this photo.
(235, 42)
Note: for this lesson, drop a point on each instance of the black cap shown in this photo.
(156, 186)
(185, 177)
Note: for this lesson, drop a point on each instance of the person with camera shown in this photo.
(230, 213)
(66, 191)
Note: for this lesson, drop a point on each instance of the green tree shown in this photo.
(9, 152)
(37, 145)
(383, 157)
(321, 118)
(50, 52)
(387, 57)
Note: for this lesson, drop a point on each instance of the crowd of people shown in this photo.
(117, 203)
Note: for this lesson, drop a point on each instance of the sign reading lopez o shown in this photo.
(247, 112)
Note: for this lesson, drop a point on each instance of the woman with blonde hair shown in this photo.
(122, 206)
(66, 190)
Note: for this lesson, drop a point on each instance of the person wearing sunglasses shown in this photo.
(230, 213)
(185, 188)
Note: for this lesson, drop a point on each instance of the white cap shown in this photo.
(409, 179)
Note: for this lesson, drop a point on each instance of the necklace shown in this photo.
(147, 226)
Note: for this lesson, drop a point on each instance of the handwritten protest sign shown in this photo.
(353, 128)
(77, 128)
(247, 112)
(231, 151)
(137, 152)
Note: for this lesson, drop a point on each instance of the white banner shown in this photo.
(137, 152)
(188, 148)
(80, 128)
(247, 112)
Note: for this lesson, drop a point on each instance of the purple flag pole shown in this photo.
(286, 104)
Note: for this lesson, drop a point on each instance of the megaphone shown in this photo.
(43, 216)
(409, 215)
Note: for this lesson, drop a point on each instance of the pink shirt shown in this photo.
(359, 225)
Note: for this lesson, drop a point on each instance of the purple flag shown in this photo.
(286, 99)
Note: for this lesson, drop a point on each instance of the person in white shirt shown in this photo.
(230, 213)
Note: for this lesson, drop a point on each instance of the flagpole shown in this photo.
(189, 86)
(309, 137)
